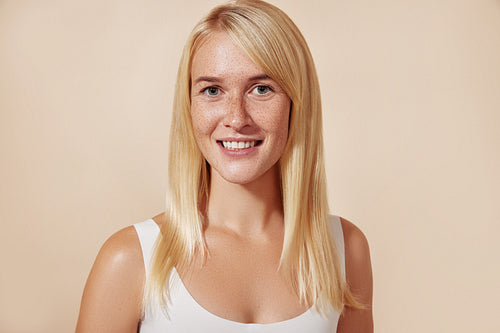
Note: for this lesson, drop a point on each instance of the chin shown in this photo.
(246, 175)
(238, 179)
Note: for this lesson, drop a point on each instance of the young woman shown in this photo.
(246, 243)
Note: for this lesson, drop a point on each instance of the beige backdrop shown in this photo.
(411, 94)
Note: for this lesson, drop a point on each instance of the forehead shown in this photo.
(219, 56)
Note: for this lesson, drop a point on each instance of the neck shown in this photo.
(246, 209)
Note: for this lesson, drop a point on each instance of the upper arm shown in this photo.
(112, 299)
(360, 280)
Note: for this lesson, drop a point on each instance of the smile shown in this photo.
(238, 145)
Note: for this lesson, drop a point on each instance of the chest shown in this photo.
(242, 282)
(185, 314)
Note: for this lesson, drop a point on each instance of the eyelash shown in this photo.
(269, 89)
(205, 90)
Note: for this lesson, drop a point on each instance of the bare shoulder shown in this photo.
(356, 244)
(122, 248)
(359, 278)
(112, 299)
(119, 254)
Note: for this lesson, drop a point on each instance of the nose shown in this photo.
(236, 115)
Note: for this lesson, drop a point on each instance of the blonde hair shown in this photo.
(274, 43)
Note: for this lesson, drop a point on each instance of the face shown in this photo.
(239, 115)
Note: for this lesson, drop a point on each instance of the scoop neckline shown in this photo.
(234, 322)
(309, 311)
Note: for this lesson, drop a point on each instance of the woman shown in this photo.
(245, 243)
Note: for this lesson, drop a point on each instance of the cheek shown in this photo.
(201, 119)
(277, 121)
(283, 130)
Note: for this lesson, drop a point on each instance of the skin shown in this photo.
(231, 98)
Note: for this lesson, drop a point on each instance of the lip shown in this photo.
(239, 152)
(239, 139)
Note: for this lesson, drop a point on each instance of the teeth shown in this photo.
(237, 145)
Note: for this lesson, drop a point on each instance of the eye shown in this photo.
(211, 91)
(262, 90)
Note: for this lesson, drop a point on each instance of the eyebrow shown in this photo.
(215, 79)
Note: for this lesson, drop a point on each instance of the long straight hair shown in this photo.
(270, 38)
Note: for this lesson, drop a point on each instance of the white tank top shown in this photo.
(185, 315)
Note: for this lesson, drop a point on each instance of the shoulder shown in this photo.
(355, 242)
(357, 257)
(114, 286)
(359, 279)
(120, 251)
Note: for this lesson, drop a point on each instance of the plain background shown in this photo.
(411, 93)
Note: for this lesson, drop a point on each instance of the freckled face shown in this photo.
(240, 115)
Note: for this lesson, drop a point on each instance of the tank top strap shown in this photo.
(338, 238)
(147, 232)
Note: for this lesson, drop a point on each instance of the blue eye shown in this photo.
(262, 90)
(211, 91)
